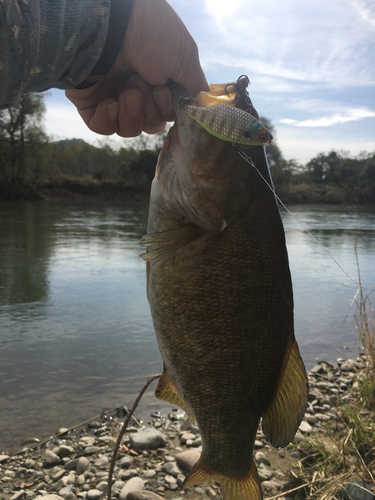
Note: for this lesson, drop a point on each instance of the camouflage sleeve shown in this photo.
(57, 43)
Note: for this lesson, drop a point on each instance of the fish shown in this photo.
(220, 293)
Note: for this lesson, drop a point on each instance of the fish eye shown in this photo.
(263, 138)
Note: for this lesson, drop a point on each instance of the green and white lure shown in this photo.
(230, 124)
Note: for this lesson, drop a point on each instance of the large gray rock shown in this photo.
(147, 439)
(134, 484)
(356, 490)
(187, 459)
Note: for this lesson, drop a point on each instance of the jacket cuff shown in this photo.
(119, 17)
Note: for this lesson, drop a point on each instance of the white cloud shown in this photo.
(320, 41)
(366, 10)
(336, 119)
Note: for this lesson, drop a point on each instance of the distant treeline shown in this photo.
(27, 154)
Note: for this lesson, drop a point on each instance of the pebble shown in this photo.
(117, 487)
(134, 484)
(271, 486)
(52, 497)
(51, 459)
(305, 427)
(90, 450)
(356, 490)
(82, 465)
(19, 495)
(128, 474)
(199, 490)
(77, 466)
(149, 474)
(260, 457)
(126, 462)
(64, 451)
(58, 475)
(102, 486)
(186, 436)
(93, 494)
(171, 468)
(102, 461)
(211, 492)
(148, 439)
(144, 495)
(187, 459)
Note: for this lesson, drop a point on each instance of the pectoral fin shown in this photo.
(166, 391)
(167, 242)
(233, 488)
(284, 414)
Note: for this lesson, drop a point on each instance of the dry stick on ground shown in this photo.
(122, 432)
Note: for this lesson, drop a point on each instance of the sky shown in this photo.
(311, 64)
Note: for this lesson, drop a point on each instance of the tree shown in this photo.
(21, 134)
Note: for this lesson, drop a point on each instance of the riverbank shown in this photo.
(153, 461)
(69, 188)
(74, 188)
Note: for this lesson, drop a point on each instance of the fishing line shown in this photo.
(250, 161)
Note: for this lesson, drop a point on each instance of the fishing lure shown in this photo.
(230, 124)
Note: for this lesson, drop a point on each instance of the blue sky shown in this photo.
(311, 65)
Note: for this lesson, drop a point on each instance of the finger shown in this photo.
(131, 114)
(101, 118)
(162, 96)
(188, 71)
(152, 120)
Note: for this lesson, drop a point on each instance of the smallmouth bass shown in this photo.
(221, 298)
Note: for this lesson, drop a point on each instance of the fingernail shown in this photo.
(112, 111)
(133, 104)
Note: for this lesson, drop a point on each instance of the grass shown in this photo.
(345, 450)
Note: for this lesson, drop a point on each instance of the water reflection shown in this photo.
(76, 335)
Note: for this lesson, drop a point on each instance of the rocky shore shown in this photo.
(153, 461)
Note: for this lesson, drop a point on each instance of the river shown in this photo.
(76, 335)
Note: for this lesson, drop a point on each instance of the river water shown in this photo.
(76, 335)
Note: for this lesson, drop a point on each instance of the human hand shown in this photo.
(134, 96)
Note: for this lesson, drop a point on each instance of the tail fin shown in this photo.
(233, 488)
